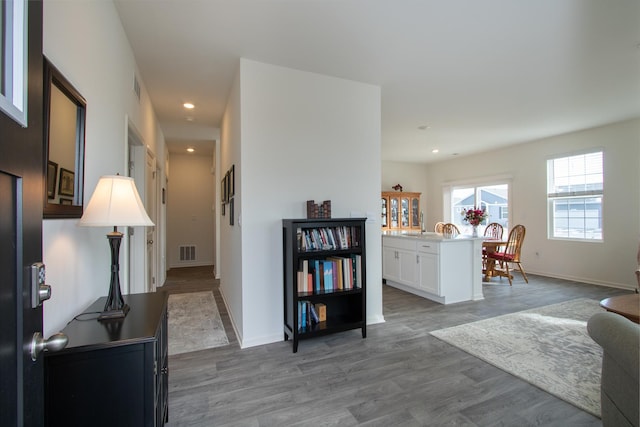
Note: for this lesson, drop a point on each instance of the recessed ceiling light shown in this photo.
(188, 105)
(191, 150)
(435, 150)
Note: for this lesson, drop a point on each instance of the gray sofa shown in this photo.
(619, 391)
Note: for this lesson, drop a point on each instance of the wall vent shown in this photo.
(136, 87)
(187, 253)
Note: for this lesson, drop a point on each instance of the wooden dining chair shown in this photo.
(494, 231)
(450, 230)
(511, 254)
(438, 227)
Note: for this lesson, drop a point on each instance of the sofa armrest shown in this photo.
(619, 337)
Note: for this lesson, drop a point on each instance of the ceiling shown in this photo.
(460, 76)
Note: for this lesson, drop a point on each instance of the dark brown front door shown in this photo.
(21, 195)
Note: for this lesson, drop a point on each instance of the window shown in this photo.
(575, 190)
(13, 59)
(493, 198)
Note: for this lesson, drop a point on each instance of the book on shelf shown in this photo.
(358, 281)
(348, 275)
(300, 281)
(327, 267)
(316, 275)
(303, 323)
(321, 310)
(338, 275)
(314, 314)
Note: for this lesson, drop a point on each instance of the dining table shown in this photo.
(490, 245)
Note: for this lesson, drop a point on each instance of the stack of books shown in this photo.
(318, 211)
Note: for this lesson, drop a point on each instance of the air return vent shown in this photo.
(187, 253)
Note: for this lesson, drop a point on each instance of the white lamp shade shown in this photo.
(115, 202)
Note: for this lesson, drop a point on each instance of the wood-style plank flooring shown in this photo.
(399, 375)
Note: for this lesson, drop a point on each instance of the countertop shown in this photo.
(429, 235)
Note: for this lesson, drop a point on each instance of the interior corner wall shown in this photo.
(100, 65)
(304, 136)
(610, 262)
(190, 214)
(229, 249)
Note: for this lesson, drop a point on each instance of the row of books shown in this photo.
(327, 238)
(330, 274)
(310, 314)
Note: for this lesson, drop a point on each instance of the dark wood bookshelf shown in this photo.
(346, 307)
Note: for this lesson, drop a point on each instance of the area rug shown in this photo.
(194, 323)
(548, 347)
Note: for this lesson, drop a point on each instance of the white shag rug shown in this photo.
(548, 347)
(194, 323)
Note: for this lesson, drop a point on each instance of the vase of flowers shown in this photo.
(474, 217)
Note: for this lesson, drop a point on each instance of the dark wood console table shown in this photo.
(112, 373)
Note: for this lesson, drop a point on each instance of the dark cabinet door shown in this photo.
(112, 373)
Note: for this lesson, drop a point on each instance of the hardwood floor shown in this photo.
(399, 375)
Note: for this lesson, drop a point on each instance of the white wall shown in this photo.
(190, 214)
(611, 262)
(86, 42)
(303, 136)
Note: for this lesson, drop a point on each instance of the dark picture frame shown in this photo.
(231, 212)
(52, 177)
(223, 190)
(232, 178)
(67, 184)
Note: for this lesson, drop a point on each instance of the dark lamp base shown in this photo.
(114, 314)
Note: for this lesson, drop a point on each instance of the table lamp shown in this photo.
(115, 202)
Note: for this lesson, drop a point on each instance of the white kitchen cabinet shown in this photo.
(442, 269)
(429, 268)
(399, 261)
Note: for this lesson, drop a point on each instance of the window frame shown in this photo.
(568, 197)
(476, 184)
(14, 59)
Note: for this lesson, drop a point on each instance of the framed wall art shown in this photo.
(52, 177)
(223, 190)
(67, 182)
(232, 179)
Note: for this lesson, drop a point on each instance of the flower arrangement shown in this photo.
(474, 216)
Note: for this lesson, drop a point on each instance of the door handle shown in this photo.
(149, 242)
(55, 342)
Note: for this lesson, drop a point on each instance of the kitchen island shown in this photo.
(430, 265)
